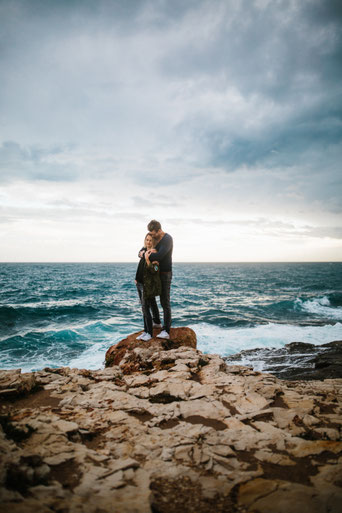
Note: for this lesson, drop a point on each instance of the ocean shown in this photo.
(69, 314)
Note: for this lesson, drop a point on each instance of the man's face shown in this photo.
(155, 234)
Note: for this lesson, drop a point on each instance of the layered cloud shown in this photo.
(221, 112)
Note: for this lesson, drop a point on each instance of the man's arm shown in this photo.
(165, 247)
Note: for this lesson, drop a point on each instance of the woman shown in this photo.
(148, 283)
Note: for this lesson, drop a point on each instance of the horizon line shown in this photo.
(176, 262)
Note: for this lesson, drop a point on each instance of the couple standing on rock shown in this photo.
(153, 278)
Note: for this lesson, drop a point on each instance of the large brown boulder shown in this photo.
(178, 337)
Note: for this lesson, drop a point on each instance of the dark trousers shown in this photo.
(165, 299)
(148, 306)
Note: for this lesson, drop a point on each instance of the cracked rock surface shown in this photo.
(169, 429)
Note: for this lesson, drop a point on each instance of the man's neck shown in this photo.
(160, 236)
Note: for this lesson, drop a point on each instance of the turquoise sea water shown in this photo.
(69, 314)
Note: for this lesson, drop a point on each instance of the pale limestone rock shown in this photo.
(180, 367)
(297, 401)
(273, 433)
(141, 392)
(197, 391)
(178, 376)
(301, 448)
(118, 432)
(329, 433)
(116, 417)
(97, 457)
(223, 450)
(212, 487)
(203, 408)
(251, 402)
(138, 380)
(64, 426)
(13, 383)
(112, 480)
(271, 457)
(328, 475)
(49, 495)
(167, 454)
(124, 464)
(280, 497)
(183, 452)
(283, 417)
(310, 420)
(59, 458)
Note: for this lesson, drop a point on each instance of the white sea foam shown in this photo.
(51, 303)
(319, 306)
(227, 341)
(211, 339)
(94, 356)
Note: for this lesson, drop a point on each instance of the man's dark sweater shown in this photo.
(164, 253)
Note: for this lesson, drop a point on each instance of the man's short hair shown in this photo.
(154, 226)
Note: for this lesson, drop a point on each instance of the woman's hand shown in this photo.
(149, 251)
(135, 281)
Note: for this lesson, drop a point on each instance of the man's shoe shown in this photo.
(155, 325)
(141, 335)
(146, 337)
(163, 334)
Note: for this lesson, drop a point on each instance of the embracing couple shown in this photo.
(153, 278)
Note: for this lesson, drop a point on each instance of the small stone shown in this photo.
(65, 426)
(167, 454)
(123, 464)
(59, 458)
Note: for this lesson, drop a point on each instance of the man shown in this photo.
(162, 253)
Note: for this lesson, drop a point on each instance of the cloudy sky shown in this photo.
(220, 118)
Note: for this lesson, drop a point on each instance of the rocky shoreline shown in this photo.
(165, 428)
(297, 360)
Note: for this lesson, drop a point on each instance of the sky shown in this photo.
(222, 119)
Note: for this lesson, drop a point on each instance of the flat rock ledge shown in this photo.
(182, 432)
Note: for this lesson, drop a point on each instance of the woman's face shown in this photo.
(148, 242)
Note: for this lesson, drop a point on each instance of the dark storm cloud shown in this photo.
(99, 70)
(263, 49)
(279, 144)
(288, 54)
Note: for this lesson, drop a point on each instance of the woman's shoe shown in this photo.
(141, 335)
(146, 337)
